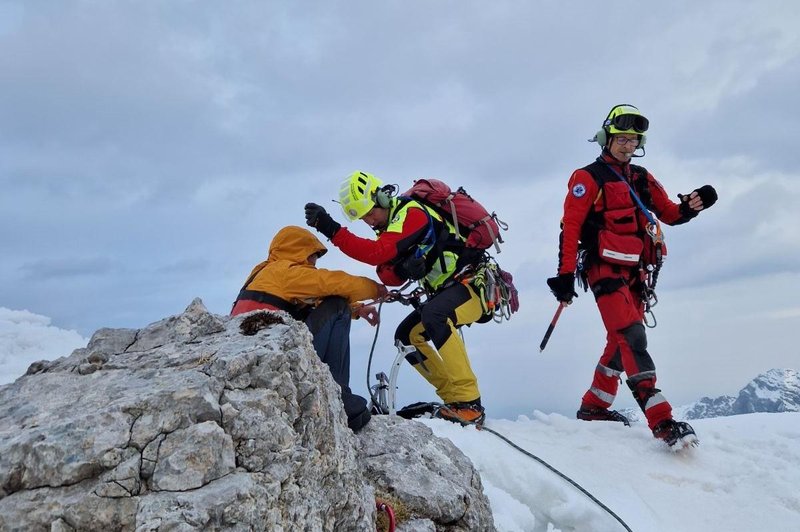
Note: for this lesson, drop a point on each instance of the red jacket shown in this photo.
(585, 195)
(390, 244)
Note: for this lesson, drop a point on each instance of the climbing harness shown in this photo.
(498, 297)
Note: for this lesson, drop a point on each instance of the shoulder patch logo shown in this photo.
(578, 190)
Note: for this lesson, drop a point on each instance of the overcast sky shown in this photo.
(150, 150)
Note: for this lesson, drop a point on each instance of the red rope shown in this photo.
(383, 507)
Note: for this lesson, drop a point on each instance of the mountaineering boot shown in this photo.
(470, 413)
(676, 432)
(356, 409)
(588, 413)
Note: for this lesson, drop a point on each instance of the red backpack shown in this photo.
(470, 219)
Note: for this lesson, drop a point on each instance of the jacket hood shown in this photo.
(294, 244)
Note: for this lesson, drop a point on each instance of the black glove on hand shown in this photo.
(563, 287)
(707, 195)
(318, 217)
(411, 268)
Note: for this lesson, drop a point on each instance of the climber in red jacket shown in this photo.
(414, 242)
(611, 236)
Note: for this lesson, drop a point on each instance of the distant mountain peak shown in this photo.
(777, 390)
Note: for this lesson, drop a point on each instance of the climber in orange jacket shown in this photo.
(326, 300)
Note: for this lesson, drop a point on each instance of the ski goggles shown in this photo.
(628, 122)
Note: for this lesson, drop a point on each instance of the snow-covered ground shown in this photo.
(744, 476)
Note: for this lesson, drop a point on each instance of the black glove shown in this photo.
(707, 195)
(412, 268)
(563, 287)
(318, 217)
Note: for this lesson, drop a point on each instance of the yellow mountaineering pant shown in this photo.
(444, 364)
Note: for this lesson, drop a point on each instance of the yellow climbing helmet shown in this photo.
(624, 118)
(358, 194)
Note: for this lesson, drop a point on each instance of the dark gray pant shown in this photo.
(329, 324)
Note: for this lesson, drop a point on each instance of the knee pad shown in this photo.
(436, 327)
(635, 336)
(402, 334)
(415, 357)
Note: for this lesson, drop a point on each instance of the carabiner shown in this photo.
(652, 317)
(654, 232)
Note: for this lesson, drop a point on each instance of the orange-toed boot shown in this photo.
(469, 413)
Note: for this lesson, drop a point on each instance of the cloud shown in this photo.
(150, 151)
(58, 269)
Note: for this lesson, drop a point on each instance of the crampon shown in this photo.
(676, 434)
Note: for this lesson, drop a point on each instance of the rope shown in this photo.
(371, 352)
(559, 473)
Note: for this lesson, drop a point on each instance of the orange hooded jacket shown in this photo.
(288, 275)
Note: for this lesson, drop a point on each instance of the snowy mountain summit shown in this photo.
(777, 390)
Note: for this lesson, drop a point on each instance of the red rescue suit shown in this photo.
(603, 221)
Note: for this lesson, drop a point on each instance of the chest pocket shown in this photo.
(620, 215)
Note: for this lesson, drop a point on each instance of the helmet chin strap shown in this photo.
(639, 148)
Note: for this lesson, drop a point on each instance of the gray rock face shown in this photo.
(184, 425)
(188, 424)
(709, 407)
(430, 475)
(777, 390)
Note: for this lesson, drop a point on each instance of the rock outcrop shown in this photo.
(431, 476)
(193, 424)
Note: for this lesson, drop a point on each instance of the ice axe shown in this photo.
(552, 326)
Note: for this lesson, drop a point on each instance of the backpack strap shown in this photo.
(298, 312)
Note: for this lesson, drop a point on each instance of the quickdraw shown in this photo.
(650, 273)
(494, 288)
